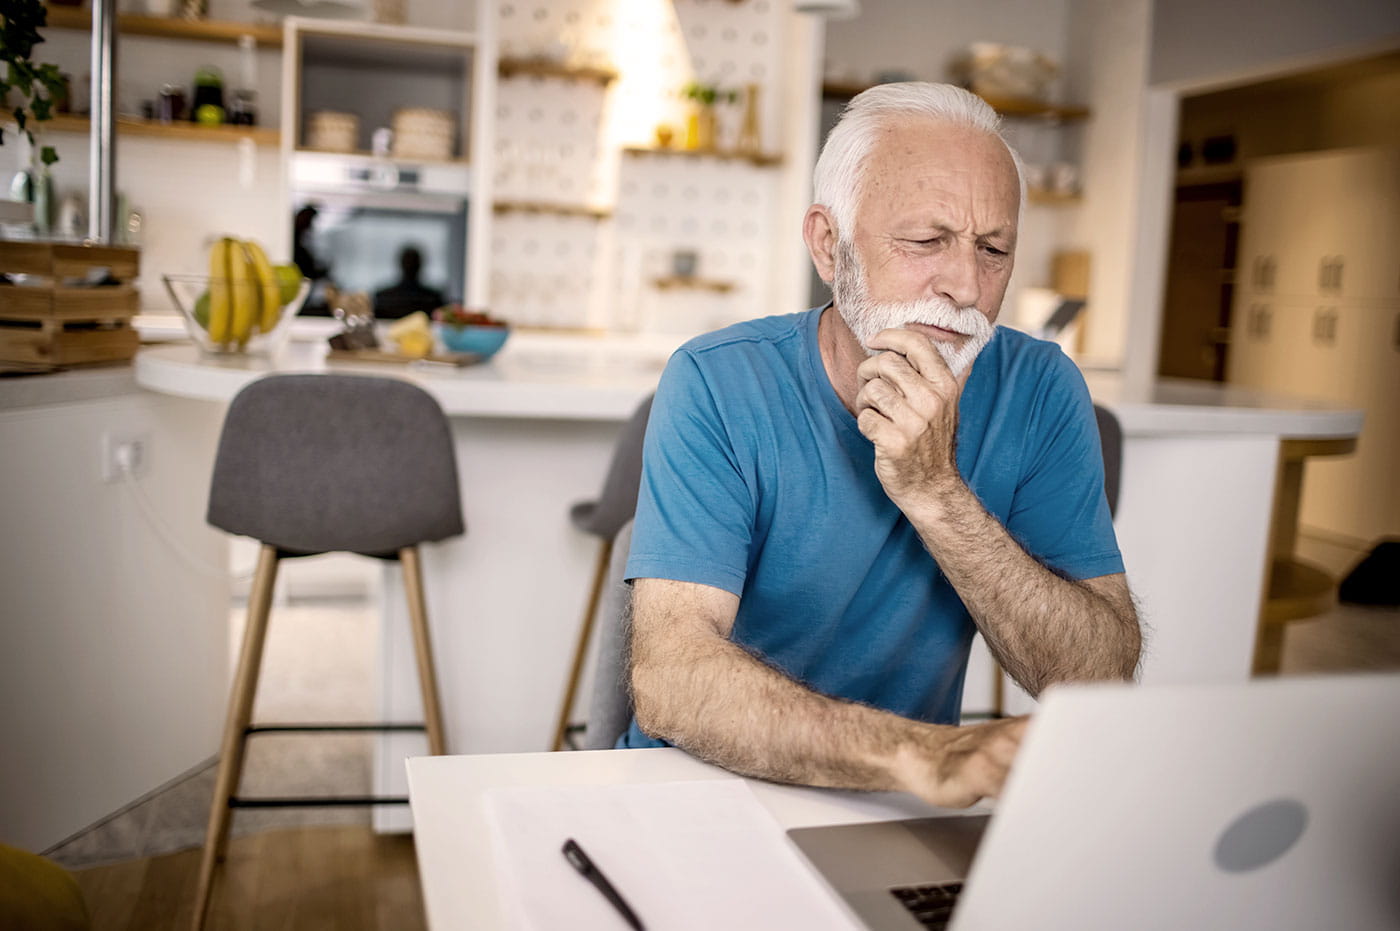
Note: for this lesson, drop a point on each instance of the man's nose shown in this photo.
(956, 277)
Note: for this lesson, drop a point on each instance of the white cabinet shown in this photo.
(1318, 315)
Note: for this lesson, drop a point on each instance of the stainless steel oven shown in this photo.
(353, 216)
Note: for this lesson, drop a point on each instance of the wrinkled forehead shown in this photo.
(909, 156)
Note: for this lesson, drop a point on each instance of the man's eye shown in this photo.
(994, 251)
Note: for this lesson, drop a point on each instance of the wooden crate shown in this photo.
(53, 320)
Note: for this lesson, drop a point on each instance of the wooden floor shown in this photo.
(343, 878)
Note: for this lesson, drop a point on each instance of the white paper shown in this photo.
(695, 855)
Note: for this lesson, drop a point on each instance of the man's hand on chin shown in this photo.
(907, 405)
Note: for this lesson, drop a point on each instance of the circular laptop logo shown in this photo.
(1260, 836)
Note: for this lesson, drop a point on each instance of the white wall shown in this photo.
(113, 645)
(1107, 59)
(1215, 39)
(922, 36)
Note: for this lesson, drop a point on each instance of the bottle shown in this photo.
(750, 136)
(22, 184)
(44, 202)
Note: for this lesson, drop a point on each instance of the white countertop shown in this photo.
(583, 377)
(536, 375)
(1179, 405)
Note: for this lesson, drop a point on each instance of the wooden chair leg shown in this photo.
(585, 633)
(240, 713)
(422, 646)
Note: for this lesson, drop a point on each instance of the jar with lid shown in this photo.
(243, 108)
(172, 103)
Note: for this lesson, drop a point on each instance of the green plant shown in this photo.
(708, 95)
(37, 85)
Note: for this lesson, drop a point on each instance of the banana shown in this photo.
(220, 294)
(269, 289)
(245, 291)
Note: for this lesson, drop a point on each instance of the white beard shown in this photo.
(866, 317)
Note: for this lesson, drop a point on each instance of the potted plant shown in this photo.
(28, 89)
(700, 124)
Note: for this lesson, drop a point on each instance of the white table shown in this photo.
(456, 863)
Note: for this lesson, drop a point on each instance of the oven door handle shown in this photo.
(385, 200)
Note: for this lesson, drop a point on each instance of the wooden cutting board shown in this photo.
(454, 359)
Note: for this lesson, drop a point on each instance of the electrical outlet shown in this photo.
(124, 453)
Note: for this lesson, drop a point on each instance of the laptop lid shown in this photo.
(1268, 804)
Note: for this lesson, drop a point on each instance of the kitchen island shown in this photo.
(534, 429)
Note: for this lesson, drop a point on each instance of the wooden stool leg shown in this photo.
(585, 633)
(240, 713)
(422, 646)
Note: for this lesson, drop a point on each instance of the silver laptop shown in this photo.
(1272, 804)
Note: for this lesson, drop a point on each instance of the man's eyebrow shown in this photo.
(915, 225)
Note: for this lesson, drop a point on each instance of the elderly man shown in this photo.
(834, 502)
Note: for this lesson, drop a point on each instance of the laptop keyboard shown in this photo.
(931, 906)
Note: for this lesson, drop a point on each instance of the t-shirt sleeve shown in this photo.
(694, 517)
(1059, 511)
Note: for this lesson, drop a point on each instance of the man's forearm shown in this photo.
(713, 699)
(1042, 628)
(695, 688)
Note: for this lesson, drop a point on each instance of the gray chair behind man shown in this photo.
(603, 518)
(610, 702)
(1111, 443)
(311, 464)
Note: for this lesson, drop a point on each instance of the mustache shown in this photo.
(936, 311)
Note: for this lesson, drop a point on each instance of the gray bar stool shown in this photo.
(603, 518)
(312, 464)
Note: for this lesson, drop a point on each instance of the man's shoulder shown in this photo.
(1021, 357)
(750, 336)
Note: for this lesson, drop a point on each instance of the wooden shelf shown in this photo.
(1010, 106)
(398, 160)
(693, 283)
(758, 158)
(182, 129)
(1006, 106)
(563, 210)
(169, 27)
(544, 68)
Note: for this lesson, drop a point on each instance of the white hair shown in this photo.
(836, 181)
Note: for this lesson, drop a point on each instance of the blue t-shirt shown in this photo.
(756, 480)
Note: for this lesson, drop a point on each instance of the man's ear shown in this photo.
(819, 232)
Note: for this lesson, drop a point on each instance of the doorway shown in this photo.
(1343, 105)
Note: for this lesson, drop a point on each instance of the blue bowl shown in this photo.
(485, 341)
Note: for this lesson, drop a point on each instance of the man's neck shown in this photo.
(841, 355)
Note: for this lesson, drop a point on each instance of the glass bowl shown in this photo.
(484, 341)
(263, 334)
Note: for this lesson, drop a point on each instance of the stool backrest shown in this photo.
(617, 501)
(330, 463)
(1111, 441)
(610, 705)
